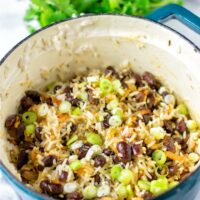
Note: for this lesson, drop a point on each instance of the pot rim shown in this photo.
(40, 196)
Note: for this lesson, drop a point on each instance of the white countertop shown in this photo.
(12, 30)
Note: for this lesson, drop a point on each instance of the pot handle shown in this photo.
(172, 11)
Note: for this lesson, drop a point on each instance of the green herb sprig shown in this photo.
(46, 12)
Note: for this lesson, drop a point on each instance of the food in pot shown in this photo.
(105, 135)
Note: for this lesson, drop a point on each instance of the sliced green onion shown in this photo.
(117, 87)
(118, 112)
(75, 165)
(116, 84)
(122, 191)
(129, 191)
(72, 139)
(144, 185)
(159, 157)
(77, 111)
(84, 96)
(94, 138)
(115, 171)
(30, 129)
(115, 121)
(193, 157)
(65, 107)
(106, 86)
(112, 104)
(191, 125)
(90, 192)
(159, 186)
(42, 110)
(182, 109)
(158, 132)
(29, 117)
(169, 99)
(173, 184)
(126, 176)
(164, 169)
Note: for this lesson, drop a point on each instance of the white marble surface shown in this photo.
(12, 30)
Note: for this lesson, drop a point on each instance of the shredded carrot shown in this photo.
(174, 156)
(110, 97)
(156, 146)
(86, 170)
(56, 101)
(143, 111)
(106, 198)
(127, 92)
(63, 117)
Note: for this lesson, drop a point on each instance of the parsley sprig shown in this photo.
(46, 12)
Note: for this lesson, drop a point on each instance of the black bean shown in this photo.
(68, 91)
(172, 170)
(20, 132)
(51, 188)
(93, 100)
(28, 145)
(178, 140)
(108, 152)
(40, 167)
(151, 80)
(26, 103)
(136, 149)
(151, 101)
(140, 97)
(138, 79)
(74, 196)
(41, 149)
(22, 159)
(44, 185)
(147, 118)
(74, 101)
(49, 160)
(10, 121)
(83, 150)
(168, 142)
(63, 177)
(181, 126)
(149, 152)
(125, 150)
(97, 178)
(105, 122)
(168, 126)
(73, 128)
(111, 71)
(116, 159)
(184, 145)
(147, 195)
(99, 161)
(48, 101)
(38, 133)
(34, 95)
(57, 87)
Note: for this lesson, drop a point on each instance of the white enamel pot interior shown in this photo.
(76, 45)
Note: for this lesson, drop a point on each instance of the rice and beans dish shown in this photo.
(105, 135)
